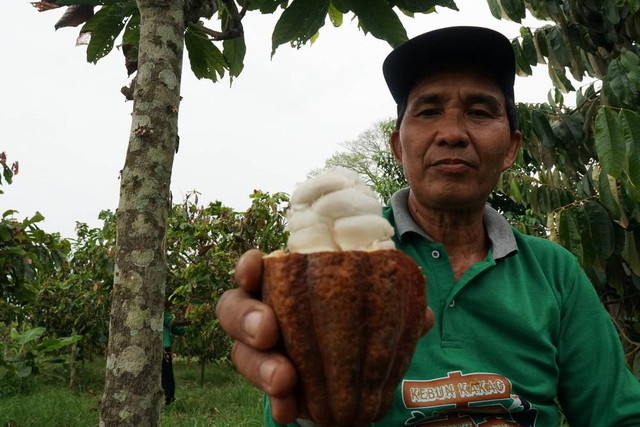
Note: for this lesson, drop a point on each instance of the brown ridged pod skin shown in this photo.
(350, 322)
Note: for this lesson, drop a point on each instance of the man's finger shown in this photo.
(284, 409)
(271, 372)
(248, 273)
(247, 320)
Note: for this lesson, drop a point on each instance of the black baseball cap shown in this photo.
(476, 46)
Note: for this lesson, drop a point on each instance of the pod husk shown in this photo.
(350, 322)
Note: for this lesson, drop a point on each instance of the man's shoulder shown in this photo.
(542, 247)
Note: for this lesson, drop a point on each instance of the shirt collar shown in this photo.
(500, 233)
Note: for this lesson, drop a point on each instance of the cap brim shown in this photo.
(476, 46)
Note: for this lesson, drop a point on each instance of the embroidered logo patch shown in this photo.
(466, 400)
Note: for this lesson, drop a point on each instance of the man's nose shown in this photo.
(453, 130)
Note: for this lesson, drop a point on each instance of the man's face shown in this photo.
(454, 140)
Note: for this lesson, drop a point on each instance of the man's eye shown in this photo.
(479, 113)
(429, 112)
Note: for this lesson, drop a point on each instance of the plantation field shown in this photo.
(226, 399)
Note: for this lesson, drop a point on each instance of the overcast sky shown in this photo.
(67, 123)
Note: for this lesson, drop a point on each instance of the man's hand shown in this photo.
(253, 326)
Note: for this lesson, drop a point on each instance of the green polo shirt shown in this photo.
(517, 330)
(168, 330)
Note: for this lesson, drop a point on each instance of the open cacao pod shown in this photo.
(350, 323)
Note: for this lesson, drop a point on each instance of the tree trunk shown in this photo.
(132, 392)
(202, 365)
(74, 360)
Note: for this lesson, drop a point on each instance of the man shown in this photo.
(171, 327)
(517, 323)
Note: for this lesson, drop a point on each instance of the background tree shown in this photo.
(578, 172)
(204, 243)
(370, 156)
(153, 39)
(77, 299)
(28, 256)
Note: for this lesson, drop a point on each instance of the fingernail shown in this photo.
(251, 323)
(267, 368)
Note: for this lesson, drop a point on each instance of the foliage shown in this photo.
(212, 53)
(370, 156)
(203, 243)
(26, 254)
(577, 177)
(77, 300)
(24, 353)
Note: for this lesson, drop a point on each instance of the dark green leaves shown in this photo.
(630, 123)
(379, 19)
(105, 26)
(514, 9)
(299, 22)
(205, 58)
(609, 142)
(542, 128)
(234, 51)
(569, 234)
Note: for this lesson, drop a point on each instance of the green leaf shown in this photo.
(234, 51)
(542, 42)
(419, 6)
(494, 7)
(85, 2)
(379, 19)
(205, 58)
(335, 15)
(105, 26)
(30, 335)
(560, 80)
(569, 234)
(609, 142)
(631, 63)
(542, 129)
(24, 371)
(610, 9)
(514, 9)
(299, 22)
(52, 344)
(529, 46)
(601, 229)
(630, 252)
(630, 123)
(609, 196)
(340, 6)
(523, 67)
(266, 7)
(558, 52)
(588, 247)
(131, 33)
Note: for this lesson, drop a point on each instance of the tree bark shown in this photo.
(132, 394)
(202, 366)
(74, 360)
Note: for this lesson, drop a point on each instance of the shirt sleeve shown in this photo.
(595, 386)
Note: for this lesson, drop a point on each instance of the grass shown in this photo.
(226, 399)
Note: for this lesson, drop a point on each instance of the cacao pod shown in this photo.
(350, 322)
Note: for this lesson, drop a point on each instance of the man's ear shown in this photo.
(512, 153)
(396, 146)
